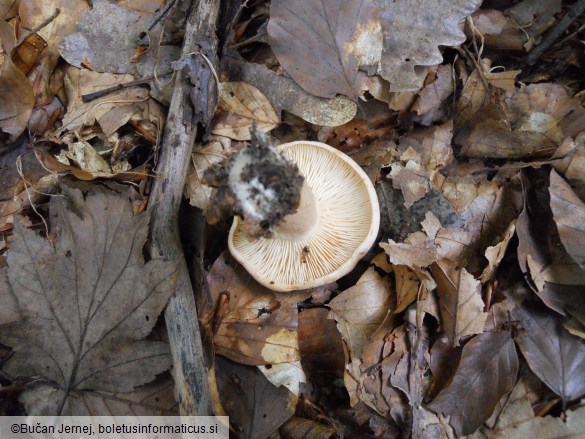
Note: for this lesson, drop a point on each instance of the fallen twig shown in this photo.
(553, 34)
(185, 118)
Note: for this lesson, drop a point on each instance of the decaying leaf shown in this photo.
(107, 38)
(16, 92)
(320, 342)
(547, 427)
(285, 94)
(486, 372)
(9, 312)
(568, 213)
(412, 31)
(459, 300)
(297, 427)
(554, 355)
(259, 326)
(256, 408)
(360, 310)
(243, 106)
(203, 157)
(87, 300)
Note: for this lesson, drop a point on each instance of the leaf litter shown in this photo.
(481, 237)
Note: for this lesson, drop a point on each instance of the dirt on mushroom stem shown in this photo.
(258, 184)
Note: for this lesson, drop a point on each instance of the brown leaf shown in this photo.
(495, 254)
(361, 309)
(412, 31)
(203, 157)
(106, 38)
(256, 408)
(16, 92)
(431, 99)
(321, 44)
(89, 299)
(487, 370)
(300, 428)
(553, 354)
(412, 180)
(320, 342)
(259, 326)
(153, 399)
(568, 213)
(547, 427)
(9, 312)
(285, 94)
(459, 300)
(412, 255)
(551, 272)
(242, 106)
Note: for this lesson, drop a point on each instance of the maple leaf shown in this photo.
(88, 299)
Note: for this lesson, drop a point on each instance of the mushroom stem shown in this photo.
(300, 224)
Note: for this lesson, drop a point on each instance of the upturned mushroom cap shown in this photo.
(340, 210)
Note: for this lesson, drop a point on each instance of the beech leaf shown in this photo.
(568, 213)
(361, 309)
(459, 300)
(321, 43)
(87, 298)
(486, 372)
(553, 354)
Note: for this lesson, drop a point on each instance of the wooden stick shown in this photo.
(553, 34)
(185, 118)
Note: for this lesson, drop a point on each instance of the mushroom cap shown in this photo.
(348, 222)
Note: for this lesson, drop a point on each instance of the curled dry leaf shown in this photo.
(88, 300)
(203, 157)
(551, 272)
(16, 91)
(459, 300)
(258, 327)
(361, 309)
(242, 106)
(554, 355)
(568, 213)
(486, 372)
(256, 408)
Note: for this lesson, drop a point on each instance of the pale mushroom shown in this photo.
(334, 226)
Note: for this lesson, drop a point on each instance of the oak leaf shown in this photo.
(87, 298)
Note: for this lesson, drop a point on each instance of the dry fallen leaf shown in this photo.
(486, 372)
(88, 299)
(9, 311)
(568, 213)
(258, 326)
(16, 91)
(459, 300)
(321, 44)
(242, 106)
(297, 427)
(361, 309)
(553, 354)
(256, 408)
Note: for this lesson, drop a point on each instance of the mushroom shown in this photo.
(334, 226)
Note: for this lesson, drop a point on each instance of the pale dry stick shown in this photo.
(185, 117)
(21, 174)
